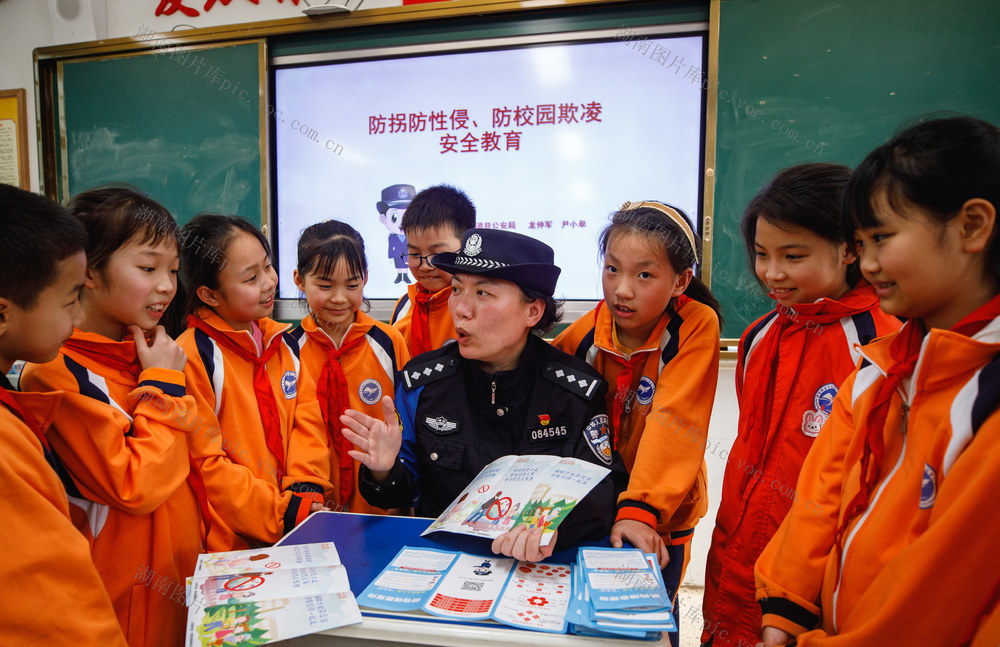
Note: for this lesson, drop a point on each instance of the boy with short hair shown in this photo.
(59, 597)
(433, 223)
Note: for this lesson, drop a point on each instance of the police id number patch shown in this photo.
(544, 433)
(598, 436)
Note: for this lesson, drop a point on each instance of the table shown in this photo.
(367, 543)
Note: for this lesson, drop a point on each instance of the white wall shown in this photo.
(721, 434)
(24, 25)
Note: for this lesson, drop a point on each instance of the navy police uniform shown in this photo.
(457, 418)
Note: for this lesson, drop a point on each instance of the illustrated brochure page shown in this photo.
(533, 491)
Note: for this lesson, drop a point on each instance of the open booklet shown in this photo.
(471, 587)
(533, 491)
(253, 597)
(609, 592)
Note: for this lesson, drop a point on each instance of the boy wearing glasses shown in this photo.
(434, 222)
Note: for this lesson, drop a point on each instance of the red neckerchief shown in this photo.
(331, 390)
(420, 337)
(623, 386)
(197, 485)
(905, 351)
(99, 353)
(267, 406)
(8, 400)
(757, 437)
(978, 318)
(421, 321)
(623, 383)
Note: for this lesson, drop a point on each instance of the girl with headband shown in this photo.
(655, 339)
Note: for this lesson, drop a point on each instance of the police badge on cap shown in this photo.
(504, 254)
(473, 245)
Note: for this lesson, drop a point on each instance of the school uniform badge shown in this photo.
(823, 400)
(598, 435)
(812, 421)
(370, 391)
(644, 392)
(928, 488)
(289, 384)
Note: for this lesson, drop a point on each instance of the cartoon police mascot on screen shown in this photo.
(392, 206)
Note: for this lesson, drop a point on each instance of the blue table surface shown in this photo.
(367, 543)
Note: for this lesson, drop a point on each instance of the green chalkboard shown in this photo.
(831, 81)
(184, 125)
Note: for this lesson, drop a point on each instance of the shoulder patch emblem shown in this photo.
(644, 392)
(370, 391)
(928, 488)
(441, 425)
(598, 436)
(289, 384)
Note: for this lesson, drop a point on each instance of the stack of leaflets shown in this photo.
(460, 586)
(533, 491)
(619, 592)
(253, 597)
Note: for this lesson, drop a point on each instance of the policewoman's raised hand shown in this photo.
(161, 351)
(377, 441)
(642, 536)
(522, 543)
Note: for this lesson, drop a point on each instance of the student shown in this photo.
(655, 337)
(434, 222)
(352, 359)
(467, 404)
(789, 366)
(121, 429)
(54, 594)
(264, 457)
(892, 538)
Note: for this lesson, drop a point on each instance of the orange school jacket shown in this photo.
(919, 565)
(124, 446)
(440, 326)
(52, 594)
(789, 366)
(240, 473)
(664, 421)
(370, 369)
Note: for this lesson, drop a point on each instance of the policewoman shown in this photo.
(499, 390)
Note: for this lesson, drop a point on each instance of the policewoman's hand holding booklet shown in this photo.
(532, 491)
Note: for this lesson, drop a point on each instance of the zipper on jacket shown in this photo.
(493, 390)
(906, 417)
